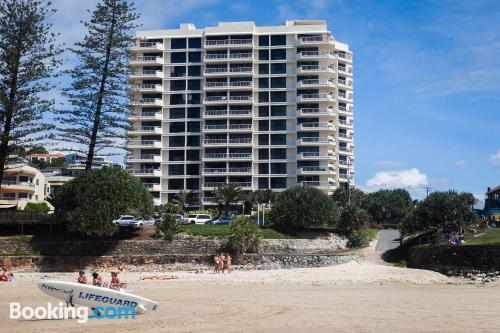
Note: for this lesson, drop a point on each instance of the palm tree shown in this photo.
(227, 194)
(185, 199)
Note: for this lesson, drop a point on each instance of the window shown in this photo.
(279, 68)
(264, 82)
(263, 125)
(193, 126)
(278, 96)
(263, 69)
(263, 139)
(176, 85)
(263, 54)
(195, 43)
(175, 184)
(194, 85)
(278, 40)
(278, 54)
(278, 125)
(177, 127)
(177, 99)
(178, 43)
(22, 195)
(176, 169)
(193, 155)
(193, 112)
(263, 168)
(263, 40)
(278, 182)
(263, 97)
(192, 184)
(193, 140)
(194, 98)
(278, 110)
(194, 71)
(263, 154)
(194, 56)
(192, 169)
(176, 155)
(278, 82)
(278, 153)
(263, 111)
(178, 71)
(278, 139)
(178, 57)
(278, 168)
(177, 113)
(176, 141)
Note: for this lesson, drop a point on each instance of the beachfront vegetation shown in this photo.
(184, 200)
(222, 231)
(28, 59)
(227, 194)
(388, 206)
(358, 238)
(492, 236)
(244, 235)
(96, 118)
(301, 207)
(37, 207)
(168, 226)
(90, 202)
(352, 218)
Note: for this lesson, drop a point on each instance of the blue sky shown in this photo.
(426, 73)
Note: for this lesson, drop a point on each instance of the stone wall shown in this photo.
(445, 258)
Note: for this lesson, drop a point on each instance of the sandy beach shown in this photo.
(363, 296)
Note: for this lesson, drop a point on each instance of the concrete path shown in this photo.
(388, 240)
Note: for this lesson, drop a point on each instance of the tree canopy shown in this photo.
(389, 206)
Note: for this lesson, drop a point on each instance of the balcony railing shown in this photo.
(315, 111)
(314, 169)
(215, 112)
(228, 42)
(15, 182)
(214, 141)
(143, 129)
(315, 54)
(240, 155)
(228, 56)
(241, 140)
(147, 59)
(316, 96)
(215, 155)
(227, 85)
(146, 101)
(141, 171)
(240, 112)
(317, 184)
(240, 126)
(150, 44)
(147, 143)
(214, 127)
(313, 39)
(315, 82)
(316, 125)
(142, 157)
(315, 140)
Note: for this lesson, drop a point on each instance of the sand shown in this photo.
(362, 296)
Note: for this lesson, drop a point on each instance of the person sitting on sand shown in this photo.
(228, 263)
(6, 276)
(97, 280)
(115, 281)
(82, 278)
(216, 263)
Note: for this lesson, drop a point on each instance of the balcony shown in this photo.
(226, 99)
(140, 143)
(228, 57)
(145, 115)
(212, 171)
(214, 128)
(313, 69)
(314, 126)
(145, 60)
(345, 149)
(143, 129)
(316, 156)
(316, 141)
(342, 56)
(345, 83)
(146, 88)
(345, 95)
(228, 43)
(318, 184)
(310, 170)
(142, 158)
(345, 69)
(321, 97)
(146, 74)
(235, 142)
(147, 102)
(152, 186)
(14, 185)
(141, 172)
(147, 46)
(345, 110)
(313, 40)
(345, 123)
(240, 127)
(316, 111)
(225, 85)
(305, 55)
(225, 113)
(315, 83)
(227, 71)
(345, 136)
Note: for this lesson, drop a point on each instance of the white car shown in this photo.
(197, 218)
(124, 220)
(141, 222)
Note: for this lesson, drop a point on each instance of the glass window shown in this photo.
(22, 195)
(263, 183)
(263, 40)
(193, 126)
(193, 112)
(178, 43)
(192, 169)
(193, 155)
(278, 40)
(194, 84)
(278, 82)
(279, 68)
(263, 69)
(278, 182)
(263, 111)
(278, 54)
(175, 184)
(263, 154)
(263, 168)
(178, 57)
(178, 71)
(278, 96)
(195, 43)
(176, 169)
(177, 99)
(194, 56)
(177, 127)
(263, 125)
(263, 97)
(176, 85)
(278, 139)
(278, 168)
(263, 139)
(278, 110)
(194, 71)
(264, 82)
(177, 113)
(194, 98)
(176, 141)
(263, 54)
(176, 155)
(193, 184)
(278, 125)
(193, 140)
(278, 153)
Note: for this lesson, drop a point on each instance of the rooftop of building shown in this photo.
(493, 190)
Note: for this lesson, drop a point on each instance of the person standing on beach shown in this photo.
(82, 278)
(228, 263)
(216, 263)
(222, 260)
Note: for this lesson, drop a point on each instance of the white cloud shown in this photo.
(411, 178)
(495, 158)
(461, 163)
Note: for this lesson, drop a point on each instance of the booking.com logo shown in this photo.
(64, 312)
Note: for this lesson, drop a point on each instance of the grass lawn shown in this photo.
(492, 236)
(220, 231)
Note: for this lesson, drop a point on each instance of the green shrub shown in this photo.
(359, 238)
(168, 226)
(244, 235)
(300, 207)
(37, 207)
(170, 208)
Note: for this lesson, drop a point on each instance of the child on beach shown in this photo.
(97, 280)
(82, 278)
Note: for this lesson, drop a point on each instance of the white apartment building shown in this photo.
(260, 107)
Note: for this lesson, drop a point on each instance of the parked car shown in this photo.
(197, 218)
(213, 221)
(141, 222)
(225, 220)
(124, 220)
(178, 217)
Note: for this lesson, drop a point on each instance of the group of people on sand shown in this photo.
(222, 261)
(6, 276)
(98, 281)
